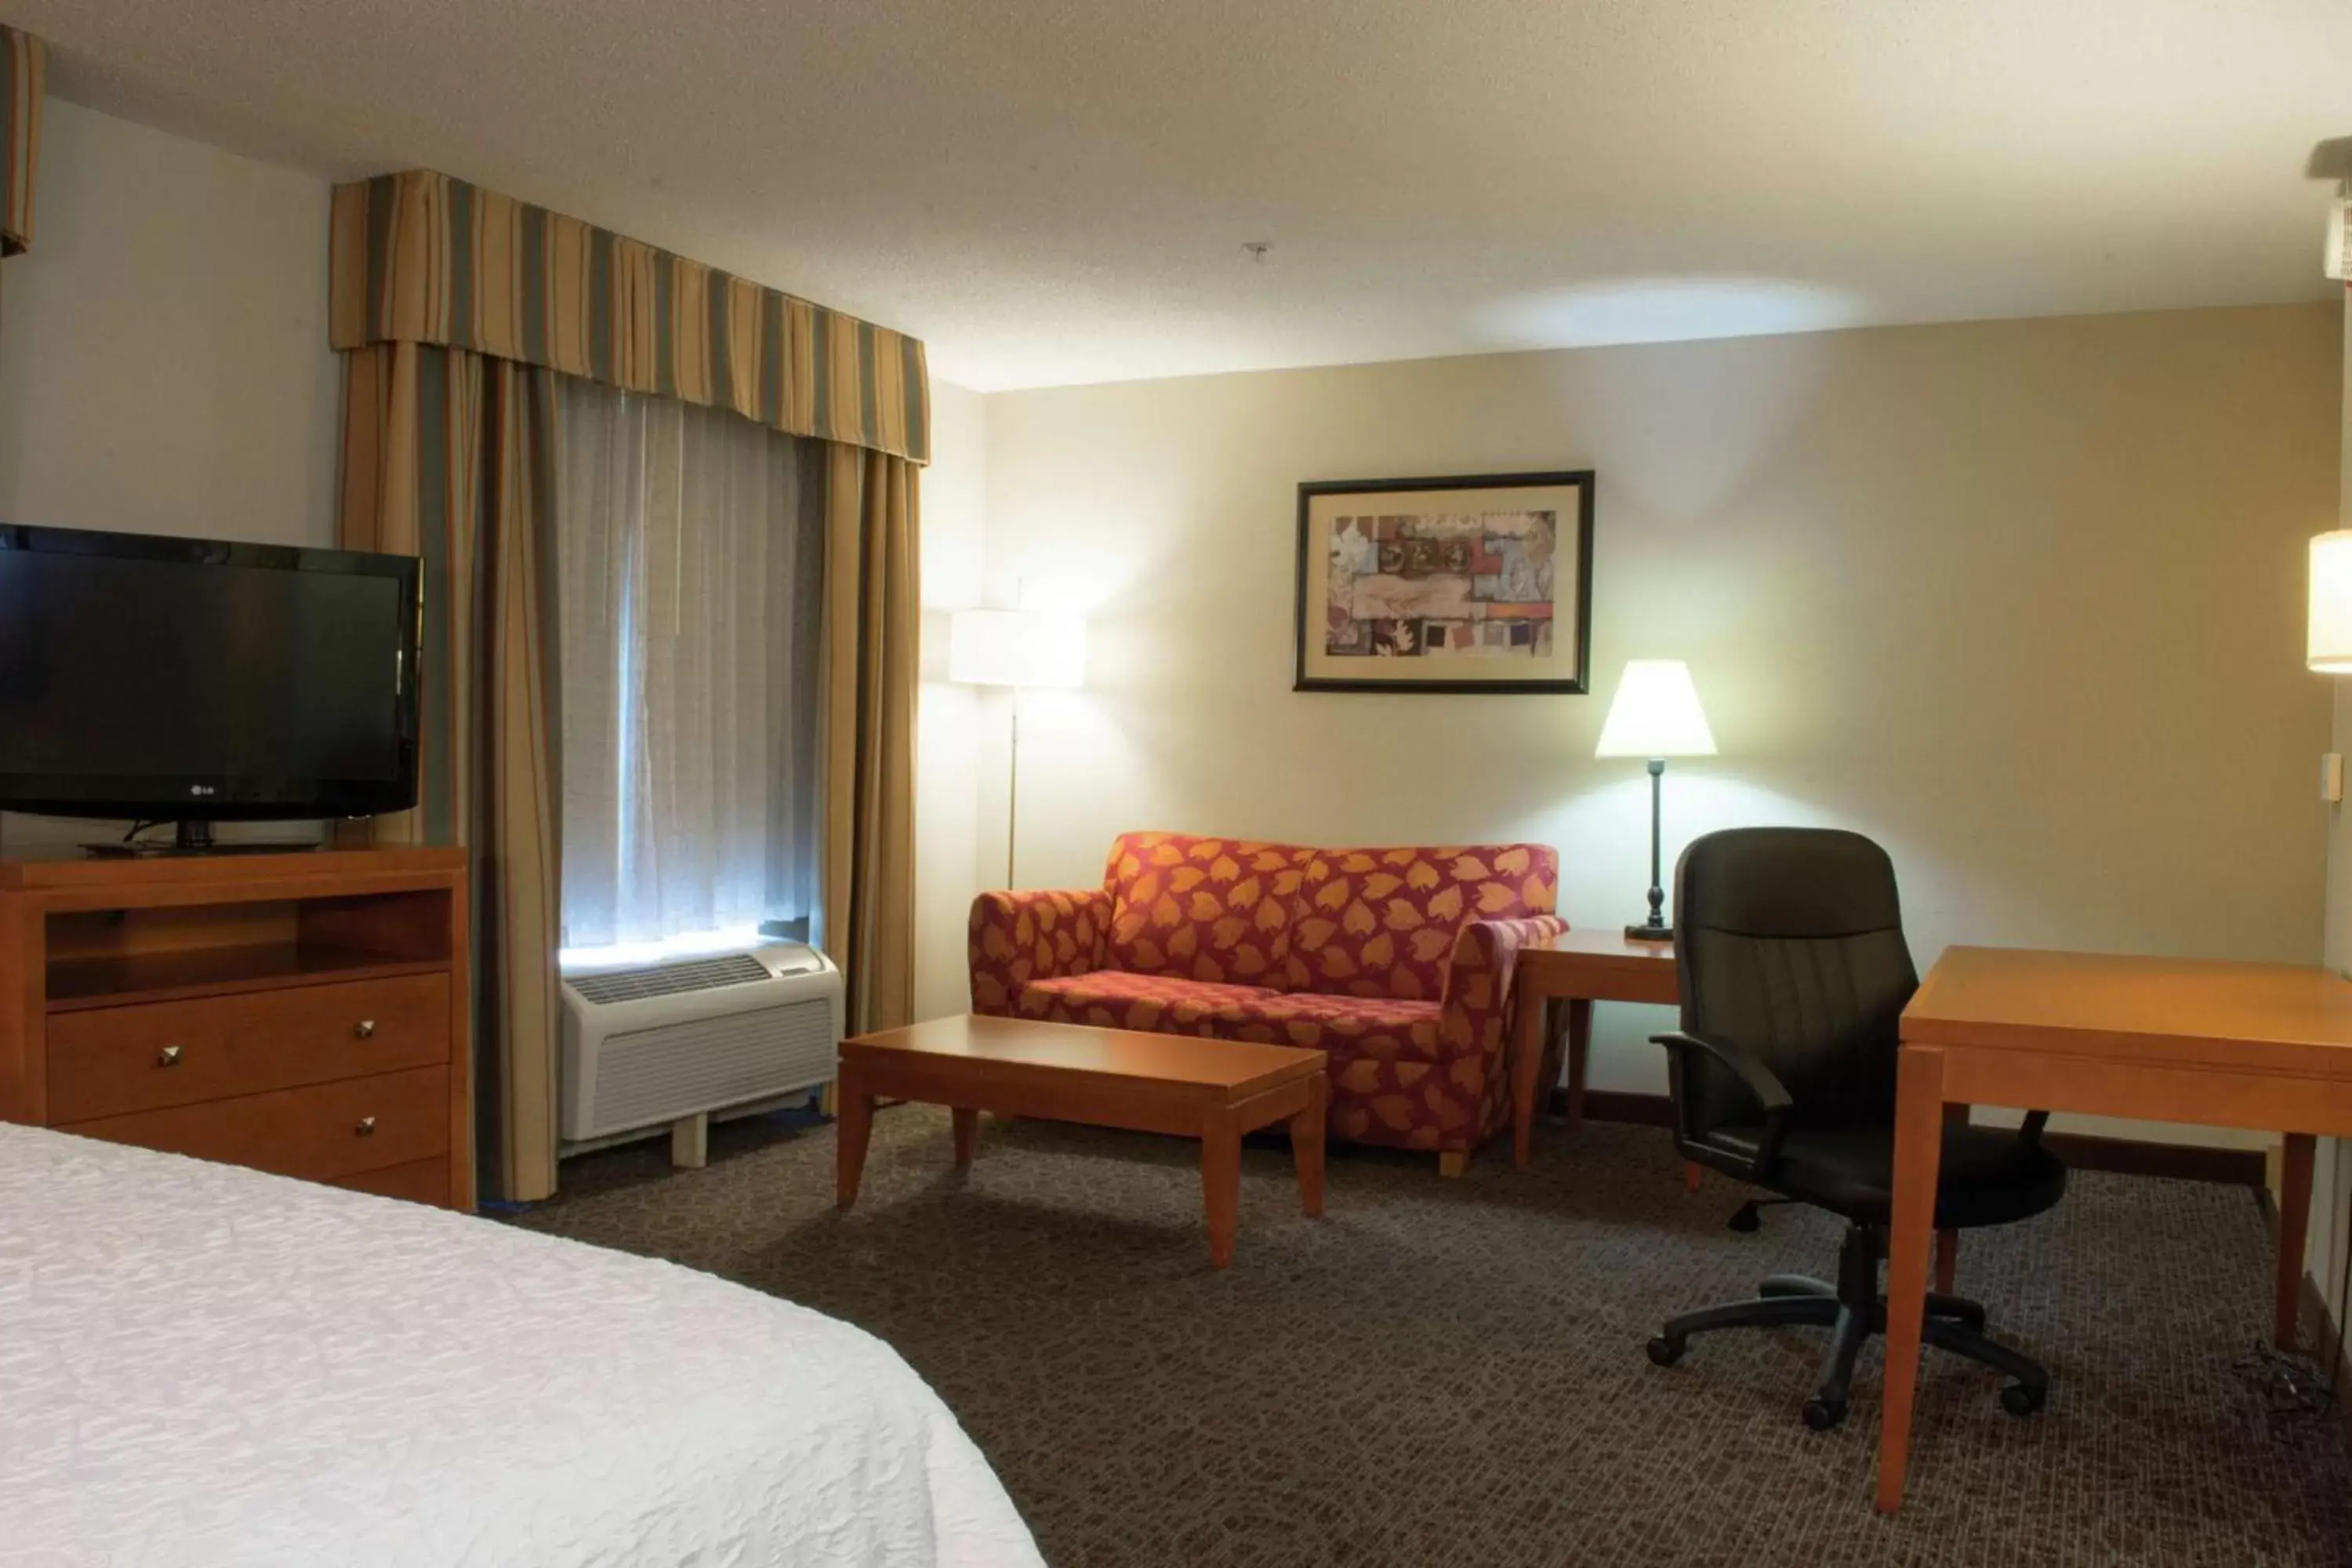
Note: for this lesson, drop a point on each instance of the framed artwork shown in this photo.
(1482, 582)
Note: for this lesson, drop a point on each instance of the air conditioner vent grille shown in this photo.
(669, 979)
(653, 1075)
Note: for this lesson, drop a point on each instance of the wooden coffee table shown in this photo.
(1214, 1090)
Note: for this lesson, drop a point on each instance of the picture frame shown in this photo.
(1464, 584)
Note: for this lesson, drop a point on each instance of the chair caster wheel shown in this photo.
(1745, 1218)
(2021, 1400)
(1668, 1348)
(1821, 1415)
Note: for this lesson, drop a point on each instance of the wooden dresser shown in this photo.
(300, 1013)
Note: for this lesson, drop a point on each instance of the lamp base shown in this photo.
(1649, 933)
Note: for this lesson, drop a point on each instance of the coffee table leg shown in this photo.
(1220, 1182)
(1307, 1145)
(853, 1129)
(967, 1134)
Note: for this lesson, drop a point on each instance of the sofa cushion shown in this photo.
(1347, 1026)
(1383, 922)
(1119, 999)
(1217, 910)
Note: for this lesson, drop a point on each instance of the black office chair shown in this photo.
(1789, 948)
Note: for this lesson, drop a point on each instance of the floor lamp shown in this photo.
(1015, 649)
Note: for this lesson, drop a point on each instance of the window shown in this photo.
(689, 571)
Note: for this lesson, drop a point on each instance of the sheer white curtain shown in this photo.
(688, 570)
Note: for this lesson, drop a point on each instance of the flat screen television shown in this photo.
(193, 680)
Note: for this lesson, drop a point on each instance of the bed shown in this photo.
(201, 1364)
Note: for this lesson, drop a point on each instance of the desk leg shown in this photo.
(1580, 1051)
(2294, 1219)
(1526, 1068)
(967, 1133)
(852, 1128)
(1918, 1152)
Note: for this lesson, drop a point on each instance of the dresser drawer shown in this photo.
(109, 1061)
(319, 1132)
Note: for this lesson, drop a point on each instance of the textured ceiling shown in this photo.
(1060, 190)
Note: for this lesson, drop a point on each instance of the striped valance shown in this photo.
(20, 139)
(422, 258)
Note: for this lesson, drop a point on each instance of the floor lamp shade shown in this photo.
(2328, 645)
(1017, 647)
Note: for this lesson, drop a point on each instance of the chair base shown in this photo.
(1853, 1311)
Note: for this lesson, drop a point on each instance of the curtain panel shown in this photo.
(23, 57)
(689, 547)
(450, 456)
(421, 257)
(872, 626)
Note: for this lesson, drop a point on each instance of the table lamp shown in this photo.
(1017, 648)
(1655, 715)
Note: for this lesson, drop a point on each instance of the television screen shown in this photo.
(180, 678)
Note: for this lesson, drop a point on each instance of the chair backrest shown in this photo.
(1383, 922)
(1201, 908)
(1788, 944)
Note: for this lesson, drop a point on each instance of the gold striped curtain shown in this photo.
(872, 522)
(421, 257)
(23, 60)
(460, 313)
(450, 456)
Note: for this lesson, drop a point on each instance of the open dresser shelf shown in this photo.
(303, 1013)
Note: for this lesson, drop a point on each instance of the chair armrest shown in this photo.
(1017, 937)
(1770, 1095)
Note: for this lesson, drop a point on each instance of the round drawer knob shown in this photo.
(168, 1056)
(364, 1029)
(366, 1128)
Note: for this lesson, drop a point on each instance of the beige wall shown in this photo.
(2021, 600)
(949, 718)
(164, 359)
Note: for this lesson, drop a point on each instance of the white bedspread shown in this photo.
(203, 1366)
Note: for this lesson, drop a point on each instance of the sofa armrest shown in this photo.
(1017, 937)
(1474, 1031)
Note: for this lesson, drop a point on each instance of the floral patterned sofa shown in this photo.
(1396, 961)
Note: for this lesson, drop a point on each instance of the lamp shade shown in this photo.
(1656, 713)
(2329, 642)
(1017, 647)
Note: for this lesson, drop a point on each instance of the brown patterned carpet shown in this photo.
(1452, 1372)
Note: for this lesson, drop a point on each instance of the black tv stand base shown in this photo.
(194, 838)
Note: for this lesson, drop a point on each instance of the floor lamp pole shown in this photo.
(1013, 800)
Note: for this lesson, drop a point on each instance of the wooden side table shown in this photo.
(1577, 968)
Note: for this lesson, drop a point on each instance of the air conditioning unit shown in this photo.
(664, 1042)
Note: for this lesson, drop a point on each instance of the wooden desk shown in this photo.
(1577, 968)
(2225, 1044)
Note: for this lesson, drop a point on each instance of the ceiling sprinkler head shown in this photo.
(1258, 249)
